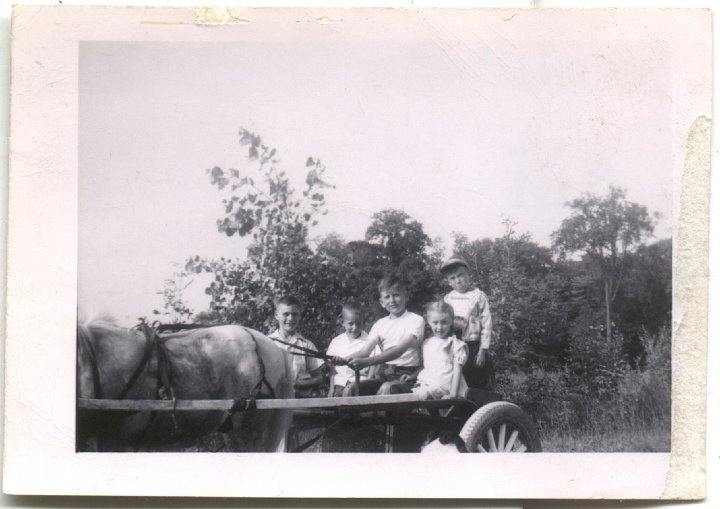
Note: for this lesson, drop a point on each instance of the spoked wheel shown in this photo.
(500, 427)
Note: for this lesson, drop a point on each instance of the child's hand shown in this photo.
(480, 359)
(358, 363)
(459, 323)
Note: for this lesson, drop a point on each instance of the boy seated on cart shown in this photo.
(308, 371)
(343, 346)
(398, 337)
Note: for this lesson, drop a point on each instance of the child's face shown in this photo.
(288, 318)
(459, 279)
(440, 323)
(393, 300)
(352, 323)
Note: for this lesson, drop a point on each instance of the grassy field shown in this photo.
(637, 440)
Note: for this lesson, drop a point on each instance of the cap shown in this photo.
(453, 262)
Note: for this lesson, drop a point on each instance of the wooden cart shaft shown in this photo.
(349, 404)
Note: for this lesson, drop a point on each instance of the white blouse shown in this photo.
(439, 357)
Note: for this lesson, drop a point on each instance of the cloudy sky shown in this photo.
(460, 120)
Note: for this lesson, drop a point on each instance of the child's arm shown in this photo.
(366, 350)
(316, 377)
(331, 382)
(331, 386)
(460, 357)
(481, 357)
(456, 377)
(388, 355)
(411, 377)
(316, 370)
(372, 372)
(483, 307)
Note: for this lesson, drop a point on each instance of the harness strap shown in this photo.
(263, 379)
(306, 352)
(164, 367)
(150, 343)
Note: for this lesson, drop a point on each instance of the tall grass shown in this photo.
(600, 404)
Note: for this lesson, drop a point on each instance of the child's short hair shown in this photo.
(287, 300)
(353, 307)
(440, 306)
(392, 281)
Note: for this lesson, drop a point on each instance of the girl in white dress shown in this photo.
(443, 357)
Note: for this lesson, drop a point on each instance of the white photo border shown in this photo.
(42, 279)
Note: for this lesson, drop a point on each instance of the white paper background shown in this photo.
(134, 464)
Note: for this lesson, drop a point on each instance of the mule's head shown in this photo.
(106, 355)
(87, 370)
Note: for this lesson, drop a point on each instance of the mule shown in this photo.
(222, 362)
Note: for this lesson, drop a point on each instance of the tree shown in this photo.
(268, 210)
(527, 297)
(606, 229)
(644, 302)
(396, 242)
(398, 235)
(264, 206)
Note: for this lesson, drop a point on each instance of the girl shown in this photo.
(443, 357)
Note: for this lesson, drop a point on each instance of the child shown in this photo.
(443, 357)
(473, 322)
(398, 337)
(343, 346)
(308, 371)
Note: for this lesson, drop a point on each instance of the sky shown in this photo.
(461, 123)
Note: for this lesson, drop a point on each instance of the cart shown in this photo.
(389, 423)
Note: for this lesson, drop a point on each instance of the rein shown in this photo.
(307, 352)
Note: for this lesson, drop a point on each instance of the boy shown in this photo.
(398, 337)
(473, 322)
(343, 346)
(308, 371)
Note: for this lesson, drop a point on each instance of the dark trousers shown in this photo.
(475, 377)
(390, 374)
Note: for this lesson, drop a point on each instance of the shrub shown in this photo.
(594, 365)
(645, 393)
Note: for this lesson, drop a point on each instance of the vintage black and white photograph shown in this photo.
(449, 218)
(382, 232)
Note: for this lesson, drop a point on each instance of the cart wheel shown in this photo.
(500, 427)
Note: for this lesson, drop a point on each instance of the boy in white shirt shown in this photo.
(343, 346)
(473, 322)
(309, 378)
(398, 337)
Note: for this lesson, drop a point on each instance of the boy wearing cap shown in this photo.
(473, 322)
